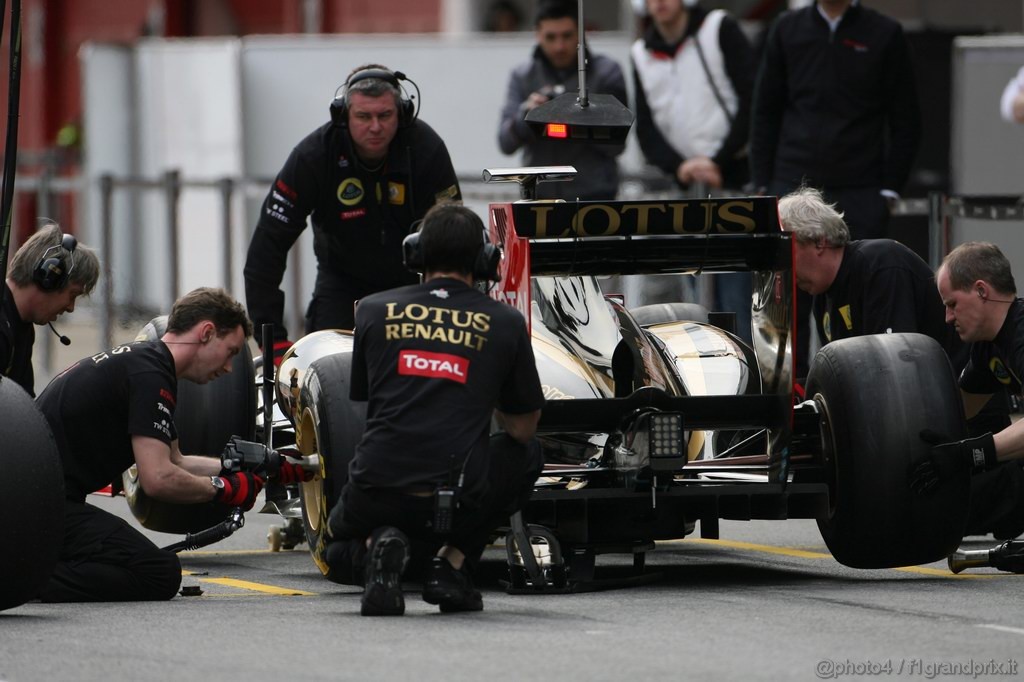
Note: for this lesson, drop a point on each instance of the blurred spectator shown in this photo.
(551, 71)
(693, 71)
(503, 16)
(1011, 105)
(693, 76)
(835, 107)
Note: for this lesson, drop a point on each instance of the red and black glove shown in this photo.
(280, 348)
(293, 473)
(238, 489)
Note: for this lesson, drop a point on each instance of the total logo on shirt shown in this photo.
(434, 365)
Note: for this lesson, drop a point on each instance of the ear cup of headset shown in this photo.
(486, 265)
(412, 253)
(406, 107)
(51, 272)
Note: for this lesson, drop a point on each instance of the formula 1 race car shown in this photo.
(659, 417)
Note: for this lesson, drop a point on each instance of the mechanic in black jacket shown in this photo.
(869, 286)
(364, 177)
(47, 274)
(115, 409)
(976, 284)
(879, 286)
(435, 361)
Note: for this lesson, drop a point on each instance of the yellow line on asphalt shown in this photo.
(255, 587)
(946, 573)
(767, 549)
(258, 587)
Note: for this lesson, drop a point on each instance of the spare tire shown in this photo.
(31, 484)
(875, 395)
(206, 416)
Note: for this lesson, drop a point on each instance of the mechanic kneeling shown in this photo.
(435, 361)
(116, 409)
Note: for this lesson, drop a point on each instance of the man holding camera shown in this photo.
(116, 409)
(550, 72)
(436, 361)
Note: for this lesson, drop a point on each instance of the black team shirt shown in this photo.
(999, 363)
(16, 340)
(434, 360)
(95, 407)
(884, 287)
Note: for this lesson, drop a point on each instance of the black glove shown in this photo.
(238, 489)
(950, 459)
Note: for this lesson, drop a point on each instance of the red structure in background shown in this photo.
(53, 31)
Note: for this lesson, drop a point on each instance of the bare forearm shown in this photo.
(1010, 442)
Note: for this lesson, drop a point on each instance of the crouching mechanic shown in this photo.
(116, 409)
(435, 361)
(977, 287)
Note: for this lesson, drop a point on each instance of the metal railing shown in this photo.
(939, 208)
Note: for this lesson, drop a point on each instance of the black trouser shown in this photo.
(512, 470)
(105, 559)
(334, 299)
(997, 502)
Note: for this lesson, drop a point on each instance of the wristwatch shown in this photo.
(217, 482)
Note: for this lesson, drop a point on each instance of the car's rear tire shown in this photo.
(206, 416)
(875, 395)
(330, 426)
(32, 485)
(658, 313)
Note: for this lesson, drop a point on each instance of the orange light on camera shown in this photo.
(559, 130)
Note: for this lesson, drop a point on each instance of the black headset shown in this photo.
(52, 272)
(485, 265)
(407, 108)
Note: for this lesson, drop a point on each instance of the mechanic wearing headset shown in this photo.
(435, 361)
(47, 274)
(364, 177)
(115, 409)
(976, 285)
(879, 286)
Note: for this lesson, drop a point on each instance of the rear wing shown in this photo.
(635, 237)
(540, 238)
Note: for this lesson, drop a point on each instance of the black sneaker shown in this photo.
(451, 589)
(385, 561)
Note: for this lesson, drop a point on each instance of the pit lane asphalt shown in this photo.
(766, 602)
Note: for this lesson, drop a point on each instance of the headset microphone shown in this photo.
(63, 339)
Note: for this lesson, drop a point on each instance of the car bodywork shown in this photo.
(649, 428)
